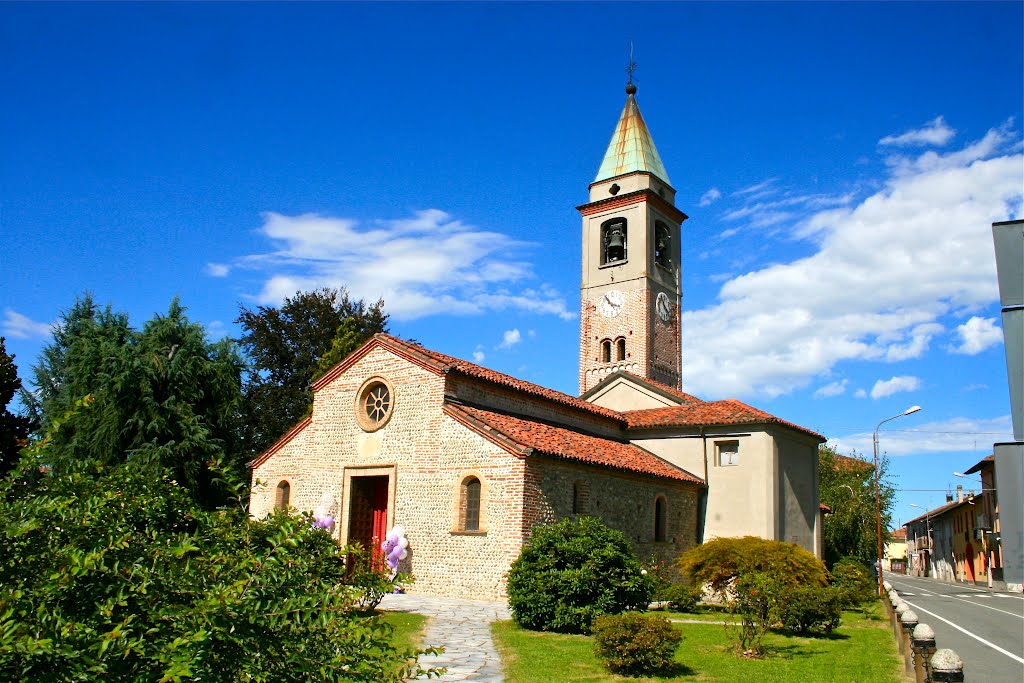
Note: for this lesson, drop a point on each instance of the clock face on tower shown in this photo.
(663, 307)
(610, 305)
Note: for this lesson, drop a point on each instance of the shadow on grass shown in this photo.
(675, 670)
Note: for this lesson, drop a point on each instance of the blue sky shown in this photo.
(841, 165)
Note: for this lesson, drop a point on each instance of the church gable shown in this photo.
(624, 391)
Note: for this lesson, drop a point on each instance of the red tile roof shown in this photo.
(443, 363)
(729, 411)
(525, 437)
(981, 464)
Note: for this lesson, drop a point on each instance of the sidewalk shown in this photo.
(463, 628)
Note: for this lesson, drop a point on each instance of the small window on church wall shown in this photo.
(620, 348)
(580, 497)
(613, 241)
(660, 519)
(606, 351)
(471, 504)
(282, 495)
(662, 245)
(728, 453)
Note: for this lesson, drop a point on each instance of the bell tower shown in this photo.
(631, 290)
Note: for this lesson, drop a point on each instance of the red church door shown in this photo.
(368, 514)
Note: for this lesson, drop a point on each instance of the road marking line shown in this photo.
(969, 602)
(978, 638)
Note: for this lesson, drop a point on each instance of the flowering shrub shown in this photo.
(754, 596)
(572, 572)
(635, 644)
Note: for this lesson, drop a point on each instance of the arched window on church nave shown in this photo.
(606, 351)
(620, 348)
(660, 519)
(469, 504)
(662, 245)
(580, 497)
(613, 241)
(282, 495)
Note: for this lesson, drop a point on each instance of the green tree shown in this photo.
(847, 487)
(14, 429)
(291, 345)
(115, 573)
(163, 395)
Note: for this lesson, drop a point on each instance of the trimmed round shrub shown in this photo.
(807, 609)
(718, 562)
(572, 572)
(855, 581)
(635, 644)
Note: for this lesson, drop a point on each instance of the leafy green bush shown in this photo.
(115, 573)
(572, 572)
(810, 608)
(855, 581)
(720, 561)
(635, 644)
(681, 597)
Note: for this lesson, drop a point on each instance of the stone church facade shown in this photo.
(468, 460)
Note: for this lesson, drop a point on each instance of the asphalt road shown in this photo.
(984, 627)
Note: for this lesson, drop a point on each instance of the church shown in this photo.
(468, 460)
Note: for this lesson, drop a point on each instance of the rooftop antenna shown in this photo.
(630, 68)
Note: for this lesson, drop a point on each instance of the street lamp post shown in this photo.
(927, 530)
(878, 499)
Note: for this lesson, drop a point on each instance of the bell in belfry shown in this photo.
(616, 245)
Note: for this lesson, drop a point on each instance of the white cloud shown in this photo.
(216, 329)
(978, 334)
(21, 326)
(831, 389)
(429, 263)
(907, 437)
(710, 197)
(885, 271)
(935, 132)
(510, 339)
(478, 355)
(860, 393)
(895, 385)
(218, 269)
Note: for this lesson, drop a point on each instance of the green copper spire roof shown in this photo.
(631, 148)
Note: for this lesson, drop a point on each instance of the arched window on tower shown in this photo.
(662, 245)
(620, 348)
(660, 519)
(613, 241)
(606, 351)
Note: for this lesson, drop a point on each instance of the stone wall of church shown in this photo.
(428, 454)
(623, 501)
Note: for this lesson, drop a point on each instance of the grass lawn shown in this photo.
(408, 627)
(862, 649)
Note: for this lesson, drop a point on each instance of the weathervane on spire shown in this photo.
(630, 68)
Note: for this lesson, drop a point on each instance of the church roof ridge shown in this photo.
(631, 147)
(525, 437)
(442, 362)
(706, 413)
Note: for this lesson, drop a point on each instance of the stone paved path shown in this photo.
(463, 628)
